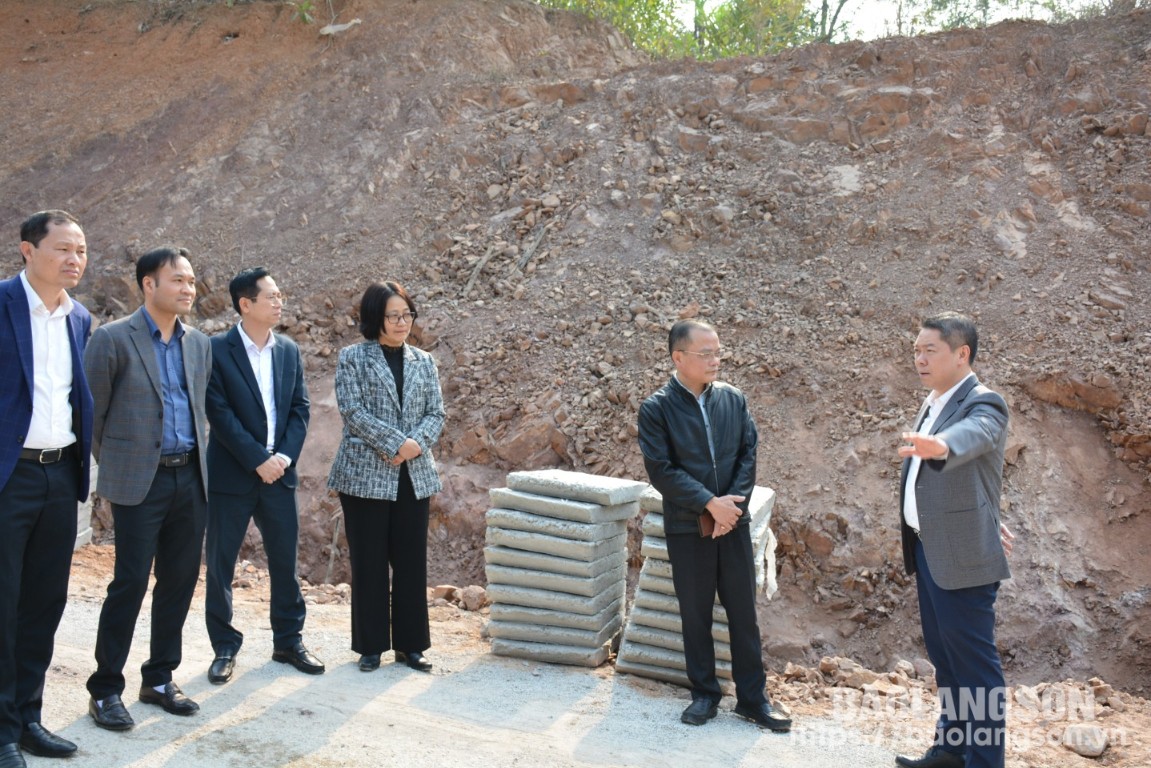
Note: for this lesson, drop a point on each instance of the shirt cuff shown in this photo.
(287, 461)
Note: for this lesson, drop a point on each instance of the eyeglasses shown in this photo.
(395, 318)
(708, 354)
(273, 298)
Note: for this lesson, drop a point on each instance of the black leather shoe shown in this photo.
(172, 699)
(113, 715)
(300, 658)
(221, 670)
(764, 716)
(699, 712)
(10, 757)
(41, 742)
(936, 757)
(369, 662)
(414, 659)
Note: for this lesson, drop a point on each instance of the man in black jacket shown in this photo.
(698, 441)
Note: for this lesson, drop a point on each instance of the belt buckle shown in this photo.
(55, 453)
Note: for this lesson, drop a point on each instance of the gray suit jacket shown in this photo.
(128, 423)
(375, 426)
(958, 498)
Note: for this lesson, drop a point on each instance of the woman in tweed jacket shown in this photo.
(389, 396)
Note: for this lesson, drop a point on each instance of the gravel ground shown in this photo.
(475, 710)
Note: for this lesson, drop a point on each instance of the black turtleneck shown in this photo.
(395, 358)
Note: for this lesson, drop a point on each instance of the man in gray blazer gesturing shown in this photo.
(258, 407)
(148, 373)
(954, 542)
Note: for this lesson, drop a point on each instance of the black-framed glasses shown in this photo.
(395, 318)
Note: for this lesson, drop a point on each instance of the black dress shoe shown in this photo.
(764, 716)
(113, 715)
(221, 670)
(699, 712)
(300, 658)
(41, 742)
(936, 757)
(414, 659)
(10, 757)
(369, 662)
(172, 699)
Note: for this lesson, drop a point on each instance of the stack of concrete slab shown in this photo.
(652, 643)
(556, 560)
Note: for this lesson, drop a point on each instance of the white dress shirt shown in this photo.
(51, 425)
(935, 406)
(261, 360)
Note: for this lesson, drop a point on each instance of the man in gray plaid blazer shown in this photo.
(955, 544)
(149, 373)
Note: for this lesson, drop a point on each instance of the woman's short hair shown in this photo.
(375, 303)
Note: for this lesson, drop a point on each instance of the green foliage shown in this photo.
(753, 27)
(650, 24)
(305, 10)
(733, 28)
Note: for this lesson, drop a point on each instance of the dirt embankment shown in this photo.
(554, 201)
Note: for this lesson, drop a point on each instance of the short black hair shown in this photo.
(375, 303)
(35, 227)
(152, 261)
(681, 331)
(956, 329)
(243, 285)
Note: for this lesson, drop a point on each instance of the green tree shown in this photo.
(753, 27)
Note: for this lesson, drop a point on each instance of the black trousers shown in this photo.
(701, 567)
(273, 507)
(37, 533)
(385, 533)
(167, 529)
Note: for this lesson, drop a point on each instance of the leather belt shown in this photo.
(177, 459)
(45, 455)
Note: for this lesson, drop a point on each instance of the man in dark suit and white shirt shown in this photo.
(258, 407)
(148, 374)
(955, 543)
(45, 433)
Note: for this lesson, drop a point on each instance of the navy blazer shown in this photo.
(238, 440)
(16, 380)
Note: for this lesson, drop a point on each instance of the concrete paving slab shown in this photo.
(564, 509)
(552, 618)
(541, 633)
(559, 601)
(579, 486)
(512, 519)
(539, 561)
(558, 582)
(552, 654)
(554, 545)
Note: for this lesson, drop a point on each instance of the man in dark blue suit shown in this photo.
(258, 408)
(45, 438)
